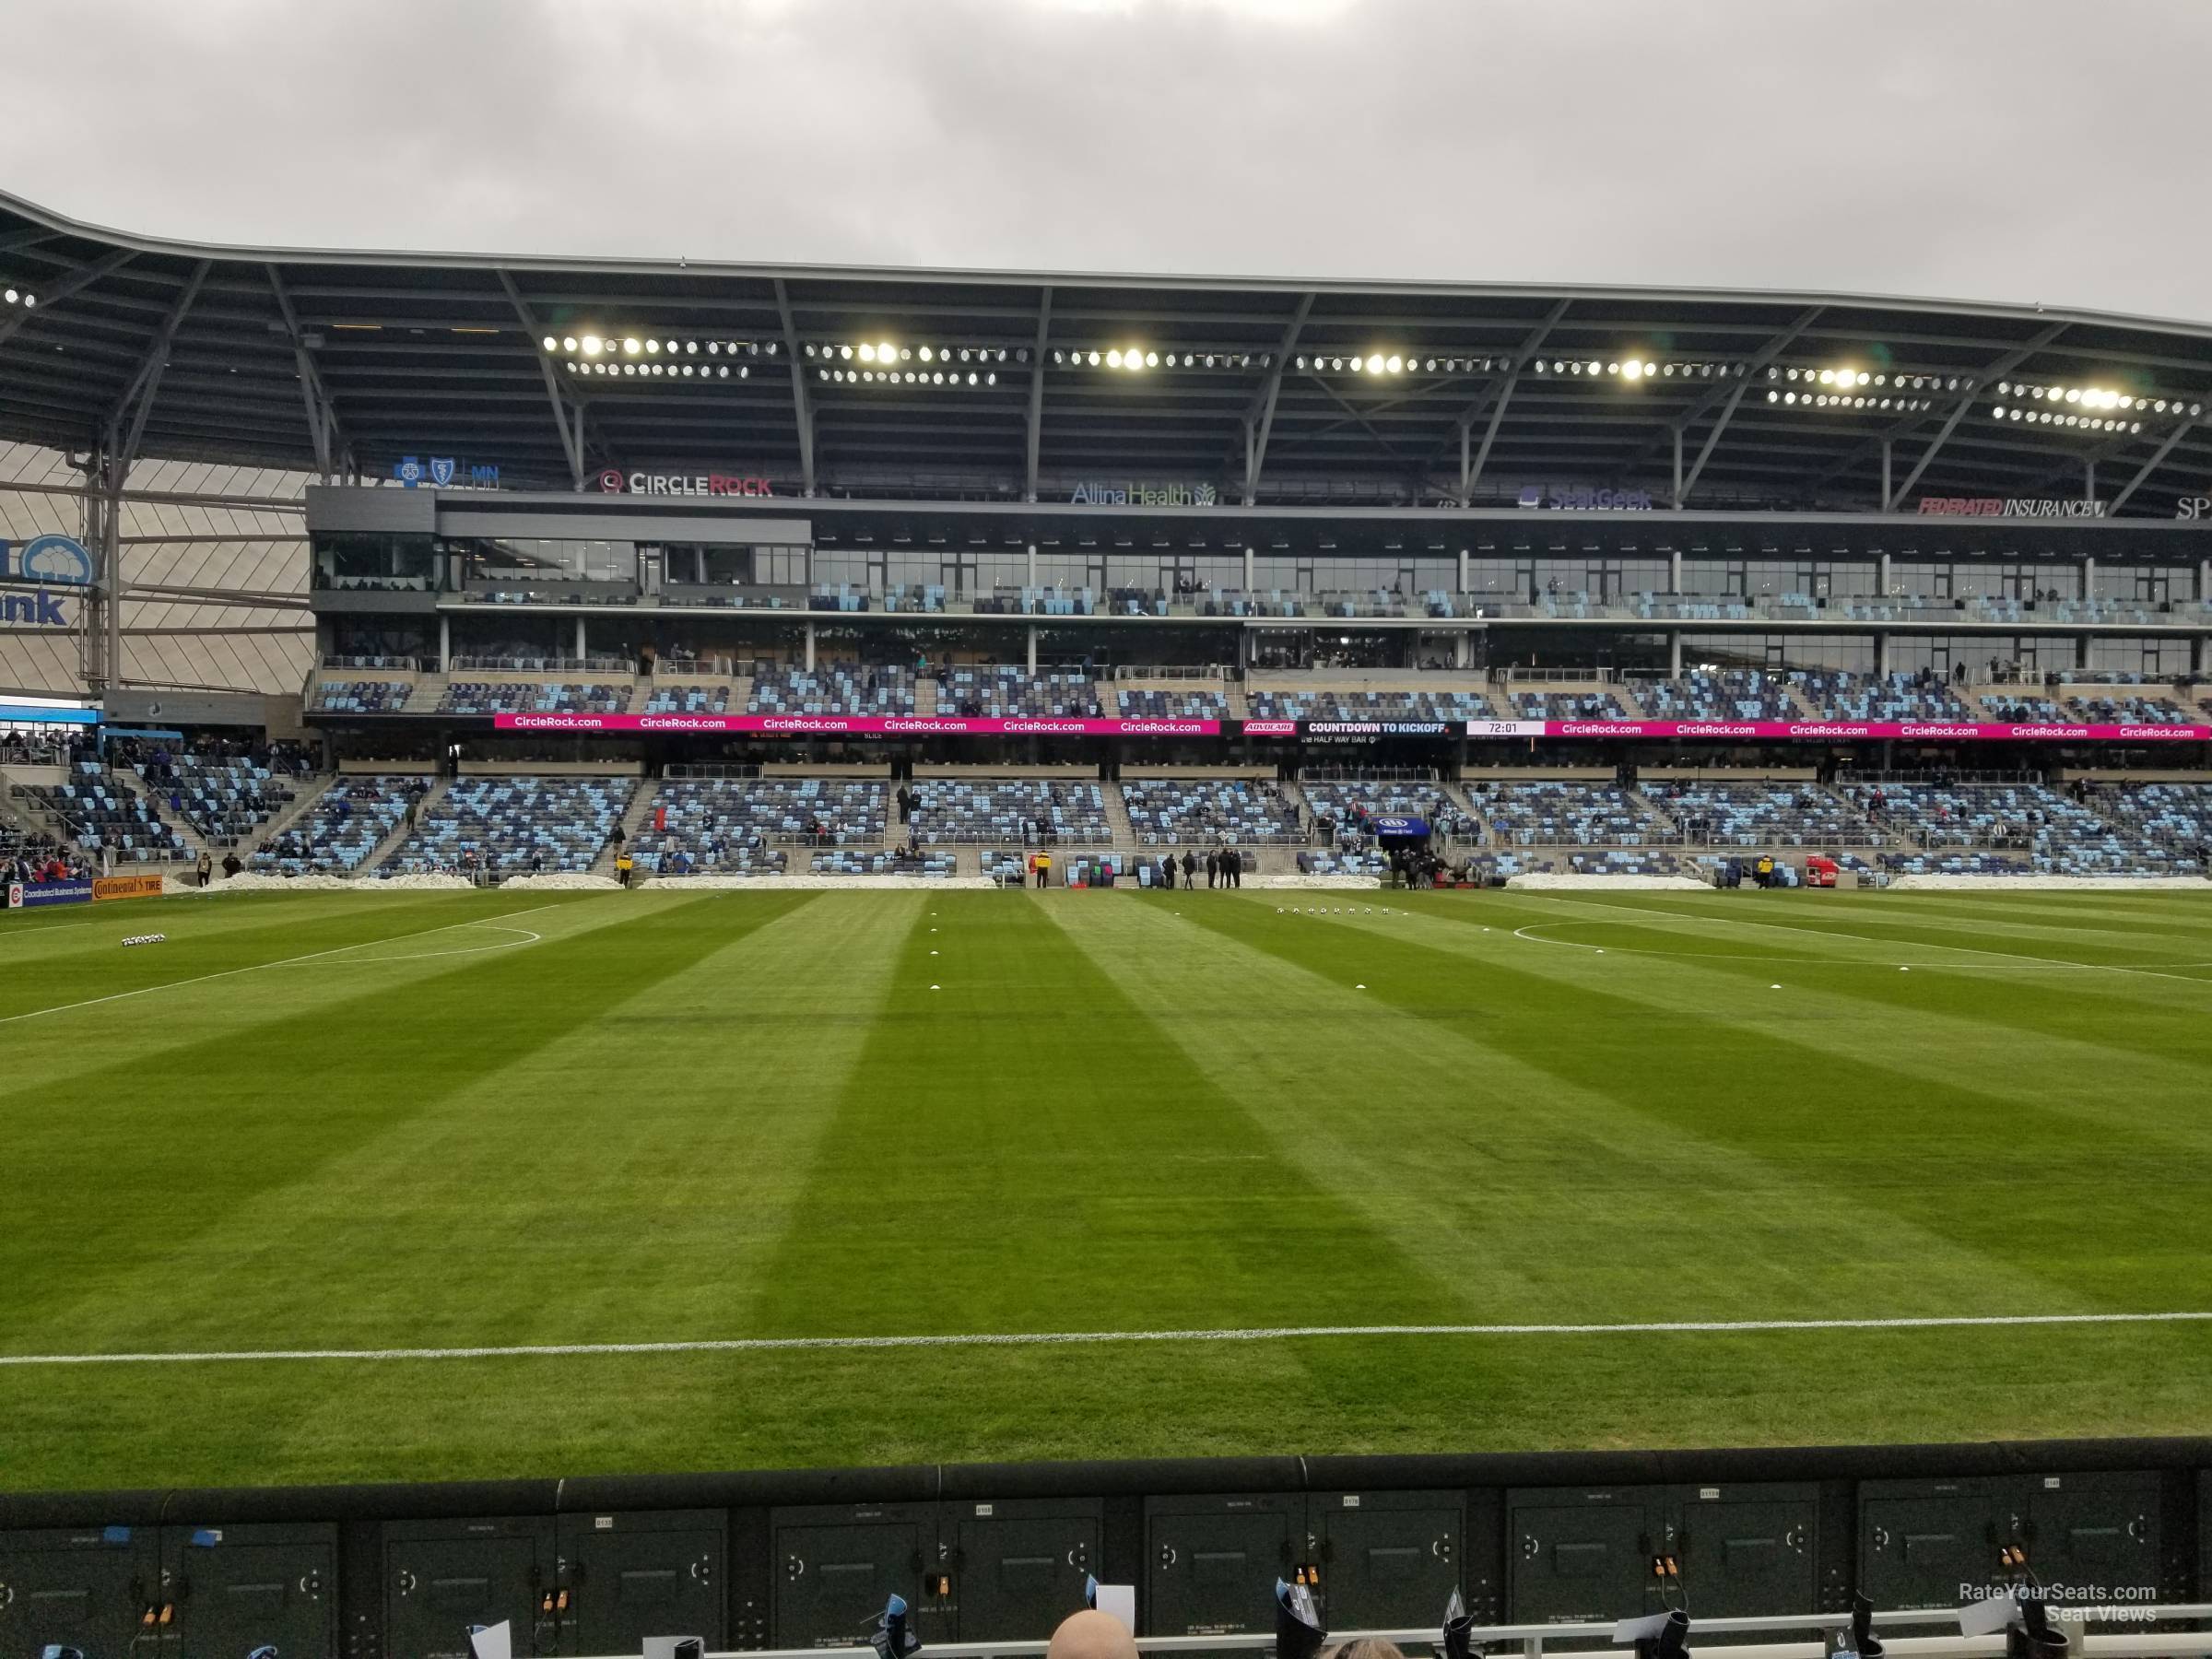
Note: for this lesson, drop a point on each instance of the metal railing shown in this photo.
(389, 664)
(1596, 1639)
(1569, 677)
(522, 664)
(1171, 671)
(683, 771)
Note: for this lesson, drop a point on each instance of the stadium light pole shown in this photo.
(1259, 415)
(567, 421)
(2158, 459)
(322, 428)
(802, 410)
(1036, 434)
(1494, 398)
(1912, 423)
(145, 384)
(1759, 360)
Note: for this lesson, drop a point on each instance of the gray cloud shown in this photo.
(2001, 149)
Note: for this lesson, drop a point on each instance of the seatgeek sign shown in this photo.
(614, 481)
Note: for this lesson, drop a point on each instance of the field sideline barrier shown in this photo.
(1534, 1639)
(2139, 1502)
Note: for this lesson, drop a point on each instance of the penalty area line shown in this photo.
(312, 956)
(775, 1345)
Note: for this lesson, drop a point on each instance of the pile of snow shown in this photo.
(2051, 883)
(251, 881)
(1298, 879)
(1639, 884)
(560, 881)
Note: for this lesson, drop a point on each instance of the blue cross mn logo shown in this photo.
(440, 471)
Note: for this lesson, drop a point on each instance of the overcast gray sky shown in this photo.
(2041, 150)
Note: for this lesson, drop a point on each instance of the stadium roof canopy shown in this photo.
(338, 361)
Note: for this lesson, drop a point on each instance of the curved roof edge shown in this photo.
(63, 225)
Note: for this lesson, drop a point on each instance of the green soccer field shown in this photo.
(587, 1120)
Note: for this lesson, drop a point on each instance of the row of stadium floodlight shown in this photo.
(885, 362)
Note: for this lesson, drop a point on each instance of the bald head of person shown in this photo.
(1091, 1635)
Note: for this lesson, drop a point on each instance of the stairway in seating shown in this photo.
(194, 845)
(1117, 817)
(156, 803)
(634, 819)
(382, 853)
(1457, 794)
(926, 697)
(309, 790)
(1239, 707)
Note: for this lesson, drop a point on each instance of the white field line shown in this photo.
(312, 956)
(2012, 955)
(772, 1345)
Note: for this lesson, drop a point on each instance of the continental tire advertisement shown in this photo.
(127, 887)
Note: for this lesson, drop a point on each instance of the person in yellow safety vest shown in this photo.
(623, 864)
(1766, 869)
(1045, 869)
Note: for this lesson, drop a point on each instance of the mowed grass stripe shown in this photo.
(644, 1161)
(246, 977)
(1026, 1149)
(546, 1105)
(2006, 1031)
(1536, 1197)
(1787, 930)
(151, 1161)
(1996, 938)
(90, 977)
(1952, 1163)
(2152, 917)
(652, 1413)
(1986, 928)
(2001, 1035)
